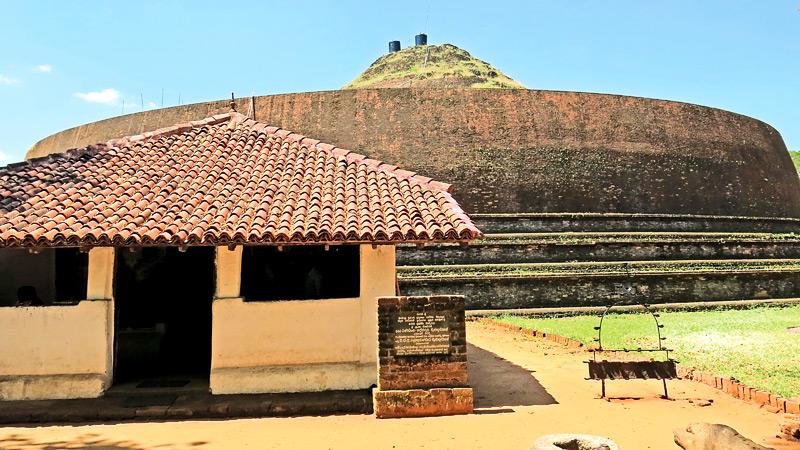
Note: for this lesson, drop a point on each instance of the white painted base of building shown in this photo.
(56, 352)
(293, 378)
(40, 387)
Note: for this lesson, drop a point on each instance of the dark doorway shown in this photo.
(163, 316)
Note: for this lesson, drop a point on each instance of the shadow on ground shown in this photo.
(85, 441)
(498, 382)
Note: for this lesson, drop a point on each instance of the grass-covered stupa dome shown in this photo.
(432, 66)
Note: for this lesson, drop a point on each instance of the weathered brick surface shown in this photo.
(508, 150)
(762, 397)
(423, 375)
(421, 371)
(422, 402)
(416, 385)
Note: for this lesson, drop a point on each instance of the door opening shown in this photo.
(163, 316)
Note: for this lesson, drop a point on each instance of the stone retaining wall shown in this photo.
(489, 253)
(502, 292)
(589, 222)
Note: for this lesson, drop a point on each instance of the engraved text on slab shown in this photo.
(422, 333)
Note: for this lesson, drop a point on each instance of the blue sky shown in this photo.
(67, 63)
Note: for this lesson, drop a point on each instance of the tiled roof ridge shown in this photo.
(70, 153)
(301, 140)
(174, 129)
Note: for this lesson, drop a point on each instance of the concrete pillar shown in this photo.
(377, 280)
(100, 286)
(100, 282)
(229, 272)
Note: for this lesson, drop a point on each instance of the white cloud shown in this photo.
(43, 68)
(151, 104)
(8, 81)
(106, 96)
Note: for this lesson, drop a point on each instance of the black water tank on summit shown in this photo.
(394, 46)
(421, 39)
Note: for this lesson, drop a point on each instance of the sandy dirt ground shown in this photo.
(524, 388)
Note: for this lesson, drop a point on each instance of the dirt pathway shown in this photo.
(524, 388)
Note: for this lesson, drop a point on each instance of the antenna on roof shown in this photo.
(233, 103)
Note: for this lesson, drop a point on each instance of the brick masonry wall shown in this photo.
(421, 371)
(517, 150)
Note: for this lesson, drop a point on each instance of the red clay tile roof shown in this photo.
(222, 180)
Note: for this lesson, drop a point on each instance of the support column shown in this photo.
(228, 266)
(100, 281)
(100, 287)
(229, 272)
(377, 280)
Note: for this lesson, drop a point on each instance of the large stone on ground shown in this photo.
(713, 436)
(790, 427)
(573, 442)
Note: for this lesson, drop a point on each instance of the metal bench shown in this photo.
(604, 369)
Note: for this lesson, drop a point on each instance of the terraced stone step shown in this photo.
(591, 268)
(598, 284)
(587, 222)
(610, 246)
(632, 237)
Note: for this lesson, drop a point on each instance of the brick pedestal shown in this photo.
(422, 357)
(422, 402)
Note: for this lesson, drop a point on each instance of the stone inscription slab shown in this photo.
(422, 333)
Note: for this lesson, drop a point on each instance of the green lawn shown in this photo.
(751, 345)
